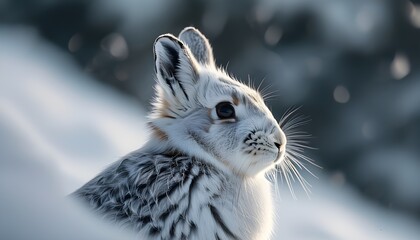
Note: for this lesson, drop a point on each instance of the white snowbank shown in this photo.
(80, 124)
(337, 212)
(58, 128)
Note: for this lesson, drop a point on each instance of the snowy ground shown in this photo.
(58, 128)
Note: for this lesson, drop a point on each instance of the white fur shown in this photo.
(226, 158)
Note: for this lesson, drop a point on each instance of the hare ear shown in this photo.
(198, 44)
(176, 69)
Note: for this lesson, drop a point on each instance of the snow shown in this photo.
(80, 124)
(59, 127)
(336, 212)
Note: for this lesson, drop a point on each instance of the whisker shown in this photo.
(298, 141)
(290, 111)
(259, 85)
(295, 158)
(265, 94)
(289, 169)
(303, 157)
(303, 182)
(270, 95)
(302, 166)
(286, 173)
(265, 91)
(296, 122)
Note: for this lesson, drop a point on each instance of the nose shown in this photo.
(280, 147)
(280, 141)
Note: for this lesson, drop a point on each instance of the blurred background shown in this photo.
(81, 74)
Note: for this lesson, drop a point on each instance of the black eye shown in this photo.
(225, 110)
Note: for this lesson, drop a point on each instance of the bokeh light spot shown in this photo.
(116, 45)
(400, 66)
(75, 43)
(341, 94)
(273, 35)
(414, 14)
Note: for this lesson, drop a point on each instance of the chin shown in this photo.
(260, 166)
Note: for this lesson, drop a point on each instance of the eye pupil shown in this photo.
(225, 110)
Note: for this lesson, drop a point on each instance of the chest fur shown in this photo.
(182, 199)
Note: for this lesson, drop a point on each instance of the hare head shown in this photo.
(201, 111)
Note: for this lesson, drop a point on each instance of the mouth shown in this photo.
(280, 155)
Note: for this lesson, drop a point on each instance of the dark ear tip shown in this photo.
(168, 37)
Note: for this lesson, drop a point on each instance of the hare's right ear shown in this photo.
(176, 70)
(198, 44)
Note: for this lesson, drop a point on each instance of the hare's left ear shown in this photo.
(176, 69)
(198, 44)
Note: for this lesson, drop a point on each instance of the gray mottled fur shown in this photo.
(151, 193)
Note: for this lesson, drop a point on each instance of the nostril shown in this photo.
(277, 145)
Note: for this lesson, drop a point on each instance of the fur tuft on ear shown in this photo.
(198, 44)
(176, 70)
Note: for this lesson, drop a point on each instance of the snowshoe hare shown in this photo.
(202, 173)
